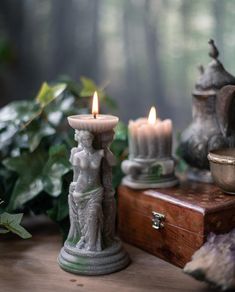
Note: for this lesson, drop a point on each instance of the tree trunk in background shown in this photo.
(77, 25)
(12, 24)
(95, 36)
(156, 83)
(65, 30)
(131, 74)
(186, 37)
(218, 10)
(181, 74)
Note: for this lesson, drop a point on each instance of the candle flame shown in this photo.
(152, 116)
(95, 105)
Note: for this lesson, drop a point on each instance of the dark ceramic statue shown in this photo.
(213, 111)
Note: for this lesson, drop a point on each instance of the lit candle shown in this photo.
(150, 137)
(150, 164)
(152, 116)
(93, 122)
(95, 105)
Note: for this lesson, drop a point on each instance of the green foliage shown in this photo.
(48, 93)
(43, 172)
(6, 52)
(11, 222)
(120, 149)
(181, 165)
(35, 142)
(88, 88)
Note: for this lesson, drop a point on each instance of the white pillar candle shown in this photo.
(160, 139)
(133, 144)
(142, 138)
(150, 138)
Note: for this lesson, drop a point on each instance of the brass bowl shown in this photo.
(222, 165)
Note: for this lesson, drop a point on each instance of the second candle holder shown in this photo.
(150, 163)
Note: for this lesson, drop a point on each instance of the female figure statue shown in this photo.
(88, 193)
(91, 247)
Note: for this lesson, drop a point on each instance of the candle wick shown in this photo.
(94, 115)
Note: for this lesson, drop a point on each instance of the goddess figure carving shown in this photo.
(91, 247)
(86, 194)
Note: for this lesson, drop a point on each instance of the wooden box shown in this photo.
(191, 211)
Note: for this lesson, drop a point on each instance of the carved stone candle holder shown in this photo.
(91, 247)
(213, 124)
(150, 164)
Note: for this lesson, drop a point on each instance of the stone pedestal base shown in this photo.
(161, 183)
(107, 261)
(149, 173)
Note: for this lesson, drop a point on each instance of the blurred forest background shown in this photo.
(145, 52)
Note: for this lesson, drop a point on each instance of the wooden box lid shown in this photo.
(197, 207)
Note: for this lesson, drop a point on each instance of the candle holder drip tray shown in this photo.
(149, 173)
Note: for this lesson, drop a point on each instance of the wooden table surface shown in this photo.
(30, 265)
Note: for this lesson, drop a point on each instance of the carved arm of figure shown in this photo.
(110, 157)
(73, 160)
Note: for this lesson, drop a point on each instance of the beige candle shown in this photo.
(150, 138)
(94, 122)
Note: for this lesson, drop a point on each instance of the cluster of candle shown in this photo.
(150, 138)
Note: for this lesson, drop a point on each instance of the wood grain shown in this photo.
(30, 265)
(202, 197)
(191, 210)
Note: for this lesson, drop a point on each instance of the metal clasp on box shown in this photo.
(157, 220)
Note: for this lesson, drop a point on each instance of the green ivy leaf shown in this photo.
(29, 183)
(73, 87)
(11, 222)
(89, 87)
(3, 230)
(120, 132)
(61, 210)
(18, 112)
(37, 172)
(59, 109)
(56, 166)
(7, 54)
(36, 131)
(12, 117)
(48, 93)
(120, 149)
(181, 165)
(6, 136)
(110, 103)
